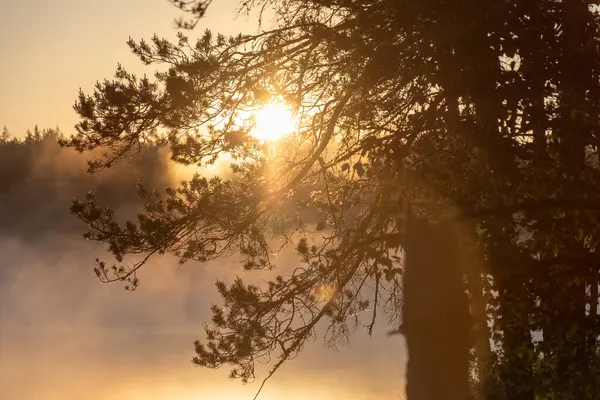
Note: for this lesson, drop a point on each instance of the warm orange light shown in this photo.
(272, 122)
(325, 292)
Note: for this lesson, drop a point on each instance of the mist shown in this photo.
(65, 335)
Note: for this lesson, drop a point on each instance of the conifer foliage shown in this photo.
(472, 123)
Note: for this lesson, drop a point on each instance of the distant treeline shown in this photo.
(39, 179)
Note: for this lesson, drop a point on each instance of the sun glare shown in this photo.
(272, 122)
(325, 292)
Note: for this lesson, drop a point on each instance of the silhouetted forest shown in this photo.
(39, 179)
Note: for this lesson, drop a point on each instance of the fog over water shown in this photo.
(65, 335)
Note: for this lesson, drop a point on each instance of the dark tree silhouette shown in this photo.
(452, 142)
(436, 319)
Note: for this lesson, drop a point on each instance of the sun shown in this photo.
(272, 122)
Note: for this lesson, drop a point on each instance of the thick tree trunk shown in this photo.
(436, 319)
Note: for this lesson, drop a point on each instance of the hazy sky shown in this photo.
(51, 48)
(64, 335)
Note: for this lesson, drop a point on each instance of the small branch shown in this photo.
(377, 278)
(324, 142)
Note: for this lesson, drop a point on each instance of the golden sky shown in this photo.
(64, 335)
(49, 49)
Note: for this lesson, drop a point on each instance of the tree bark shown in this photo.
(436, 318)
